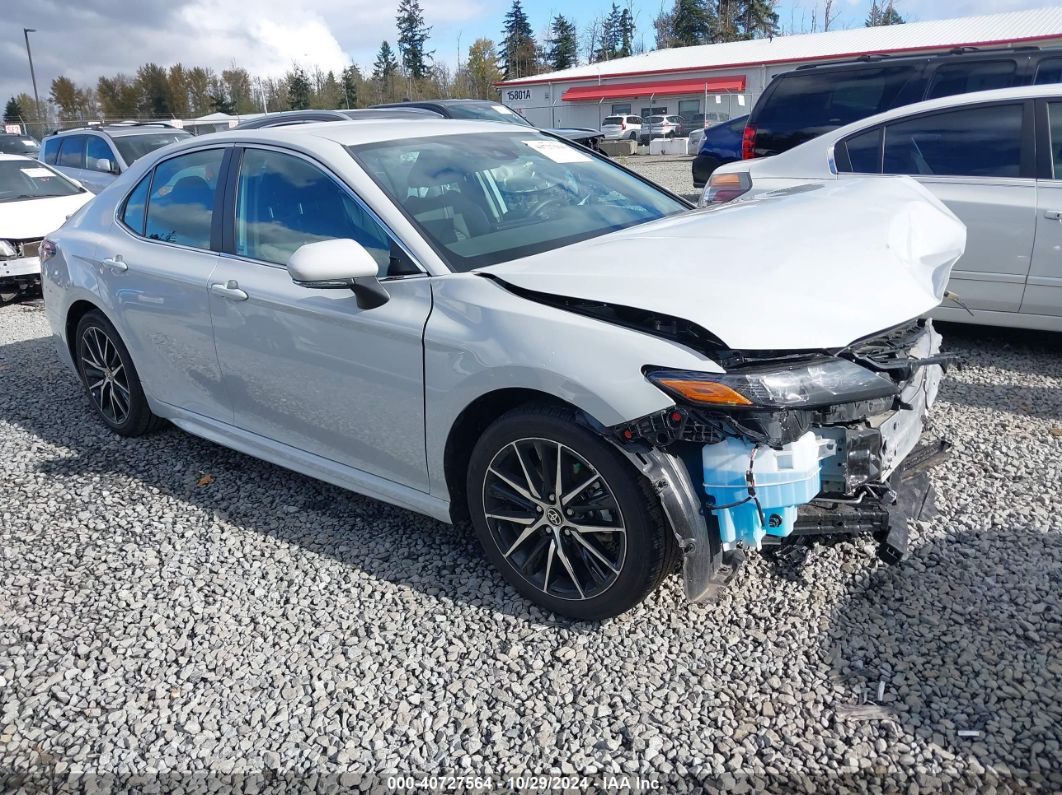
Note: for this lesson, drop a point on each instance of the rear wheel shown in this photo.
(633, 136)
(110, 378)
(564, 517)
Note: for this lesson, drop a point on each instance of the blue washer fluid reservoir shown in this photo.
(784, 479)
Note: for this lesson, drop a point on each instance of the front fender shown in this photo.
(481, 338)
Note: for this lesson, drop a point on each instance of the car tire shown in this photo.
(633, 136)
(532, 537)
(110, 378)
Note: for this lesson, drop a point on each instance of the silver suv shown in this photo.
(94, 156)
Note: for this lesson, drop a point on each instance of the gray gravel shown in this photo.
(176, 611)
(673, 172)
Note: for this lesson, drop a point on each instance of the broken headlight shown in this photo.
(807, 384)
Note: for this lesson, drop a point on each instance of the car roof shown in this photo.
(872, 59)
(283, 117)
(119, 130)
(352, 133)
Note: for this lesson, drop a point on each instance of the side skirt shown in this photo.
(305, 463)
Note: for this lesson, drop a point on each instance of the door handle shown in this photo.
(230, 290)
(116, 263)
(1053, 215)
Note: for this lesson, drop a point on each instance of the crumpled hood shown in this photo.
(810, 268)
(33, 218)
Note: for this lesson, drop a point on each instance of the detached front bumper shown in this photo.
(20, 269)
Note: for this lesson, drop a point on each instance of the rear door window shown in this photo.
(962, 78)
(984, 141)
(72, 153)
(613, 120)
(51, 150)
(181, 207)
(96, 149)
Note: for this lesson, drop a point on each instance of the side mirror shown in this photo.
(341, 264)
(105, 165)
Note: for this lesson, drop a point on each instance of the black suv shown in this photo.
(814, 99)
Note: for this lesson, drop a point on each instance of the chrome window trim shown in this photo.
(343, 186)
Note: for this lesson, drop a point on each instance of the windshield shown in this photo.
(487, 112)
(134, 147)
(486, 198)
(17, 145)
(28, 179)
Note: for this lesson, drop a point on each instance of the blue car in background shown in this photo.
(722, 144)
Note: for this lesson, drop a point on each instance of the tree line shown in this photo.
(409, 69)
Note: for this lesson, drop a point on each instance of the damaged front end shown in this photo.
(786, 444)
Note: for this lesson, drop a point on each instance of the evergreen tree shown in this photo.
(563, 49)
(384, 70)
(412, 35)
(694, 22)
(612, 32)
(727, 20)
(349, 81)
(625, 34)
(13, 112)
(518, 51)
(154, 90)
(689, 22)
(298, 89)
(219, 103)
(758, 19)
(883, 14)
(385, 65)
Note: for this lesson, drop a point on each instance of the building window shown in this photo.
(657, 110)
(690, 106)
(621, 108)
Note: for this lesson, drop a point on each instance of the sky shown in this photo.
(84, 39)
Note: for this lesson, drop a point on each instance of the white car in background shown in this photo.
(619, 127)
(34, 200)
(993, 157)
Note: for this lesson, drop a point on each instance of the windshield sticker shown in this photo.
(558, 152)
(37, 173)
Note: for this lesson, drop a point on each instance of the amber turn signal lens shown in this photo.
(726, 180)
(705, 392)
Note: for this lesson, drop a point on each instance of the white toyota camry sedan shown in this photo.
(474, 321)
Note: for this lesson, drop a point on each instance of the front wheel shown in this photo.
(565, 518)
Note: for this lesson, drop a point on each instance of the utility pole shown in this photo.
(33, 76)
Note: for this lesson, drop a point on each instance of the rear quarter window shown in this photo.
(962, 78)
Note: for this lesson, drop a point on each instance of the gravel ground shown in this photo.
(176, 611)
(674, 173)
